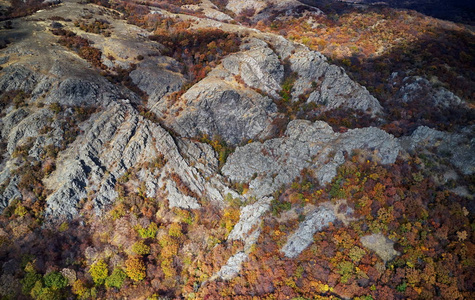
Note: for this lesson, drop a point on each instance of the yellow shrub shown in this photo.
(140, 248)
(135, 268)
(99, 272)
(175, 230)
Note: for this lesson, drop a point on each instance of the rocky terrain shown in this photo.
(104, 134)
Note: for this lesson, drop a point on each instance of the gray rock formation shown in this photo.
(328, 84)
(18, 77)
(459, 148)
(217, 107)
(381, 245)
(314, 146)
(303, 237)
(28, 127)
(153, 78)
(258, 66)
(236, 101)
(250, 217)
(79, 91)
(232, 267)
(117, 140)
(248, 231)
(209, 9)
(11, 192)
(238, 6)
(8, 122)
(418, 88)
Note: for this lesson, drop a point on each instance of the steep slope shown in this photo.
(185, 157)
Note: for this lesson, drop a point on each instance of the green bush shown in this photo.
(287, 86)
(28, 282)
(402, 287)
(55, 280)
(345, 269)
(356, 253)
(175, 230)
(39, 292)
(278, 206)
(148, 232)
(116, 279)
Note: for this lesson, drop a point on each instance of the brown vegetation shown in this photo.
(80, 45)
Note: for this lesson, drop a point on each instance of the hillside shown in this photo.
(230, 149)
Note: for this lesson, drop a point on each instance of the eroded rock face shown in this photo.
(246, 230)
(151, 77)
(314, 146)
(235, 101)
(117, 140)
(237, 6)
(17, 77)
(418, 88)
(232, 266)
(328, 84)
(250, 217)
(209, 9)
(11, 191)
(459, 148)
(220, 105)
(257, 6)
(231, 101)
(258, 66)
(77, 91)
(303, 237)
(28, 127)
(216, 107)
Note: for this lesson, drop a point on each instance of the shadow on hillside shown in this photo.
(444, 57)
(460, 11)
(47, 246)
(11, 35)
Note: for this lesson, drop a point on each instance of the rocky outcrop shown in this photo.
(258, 66)
(18, 77)
(80, 91)
(232, 267)
(10, 191)
(28, 127)
(119, 139)
(215, 106)
(329, 85)
(152, 77)
(231, 103)
(250, 217)
(380, 244)
(317, 218)
(237, 6)
(240, 100)
(248, 231)
(219, 105)
(209, 9)
(459, 148)
(257, 6)
(303, 237)
(418, 89)
(315, 146)
(8, 122)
